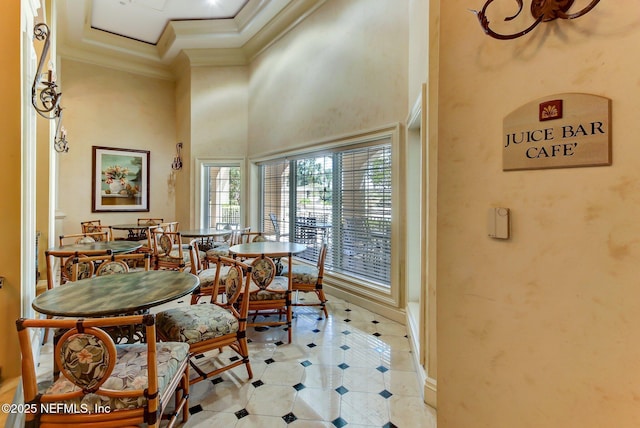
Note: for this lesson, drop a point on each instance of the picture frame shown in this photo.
(120, 180)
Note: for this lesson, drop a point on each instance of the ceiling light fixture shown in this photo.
(45, 97)
(541, 10)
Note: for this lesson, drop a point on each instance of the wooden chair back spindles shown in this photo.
(60, 269)
(94, 226)
(79, 238)
(150, 221)
(88, 266)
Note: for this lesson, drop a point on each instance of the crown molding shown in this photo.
(216, 57)
(289, 18)
(221, 42)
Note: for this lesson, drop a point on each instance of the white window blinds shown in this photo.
(343, 197)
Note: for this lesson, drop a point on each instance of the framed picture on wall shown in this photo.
(120, 180)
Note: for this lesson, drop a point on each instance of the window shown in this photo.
(342, 196)
(221, 195)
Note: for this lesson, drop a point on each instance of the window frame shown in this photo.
(340, 282)
(201, 199)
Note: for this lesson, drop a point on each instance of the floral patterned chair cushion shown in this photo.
(196, 323)
(112, 267)
(85, 269)
(276, 290)
(208, 276)
(265, 285)
(302, 274)
(85, 361)
(175, 255)
(222, 250)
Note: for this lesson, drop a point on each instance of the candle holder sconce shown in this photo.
(45, 96)
(541, 10)
(177, 160)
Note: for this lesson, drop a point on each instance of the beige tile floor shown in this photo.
(353, 369)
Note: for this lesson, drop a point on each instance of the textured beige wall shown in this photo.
(418, 48)
(180, 181)
(10, 174)
(219, 111)
(216, 118)
(105, 107)
(343, 70)
(541, 330)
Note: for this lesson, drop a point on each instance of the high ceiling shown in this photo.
(145, 20)
(152, 36)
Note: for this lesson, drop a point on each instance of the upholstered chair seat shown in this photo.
(276, 290)
(208, 276)
(303, 274)
(220, 250)
(130, 373)
(175, 254)
(196, 323)
(213, 325)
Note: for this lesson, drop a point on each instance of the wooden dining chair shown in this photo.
(276, 227)
(246, 237)
(150, 221)
(236, 237)
(169, 251)
(270, 294)
(307, 279)
(143, 233)
(206, 274)
(88, 237)
(104, 384)
(83, 267)
(59, 266)
(169, 226)
(94, 226)
(208, 327)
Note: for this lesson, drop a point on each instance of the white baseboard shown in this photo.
(387, 311)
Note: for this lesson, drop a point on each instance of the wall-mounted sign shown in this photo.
(559, 131)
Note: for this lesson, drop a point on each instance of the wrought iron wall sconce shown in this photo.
(177, 161)
(45, 97)
(541, 10)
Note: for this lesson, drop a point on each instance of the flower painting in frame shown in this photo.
(120, 180)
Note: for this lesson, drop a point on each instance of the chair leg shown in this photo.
(289, 319)
(46, 332)
(323, 302)
(244, 351)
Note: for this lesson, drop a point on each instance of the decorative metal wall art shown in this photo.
(45, 97)
(541, 10)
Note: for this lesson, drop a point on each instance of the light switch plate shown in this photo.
(499, 223)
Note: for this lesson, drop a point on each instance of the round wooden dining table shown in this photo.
(273, 249)
(116, 294)
(135, 231)
(268, 248)
(206, 235)
(116, 247)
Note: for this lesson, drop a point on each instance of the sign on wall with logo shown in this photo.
(559, 131)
